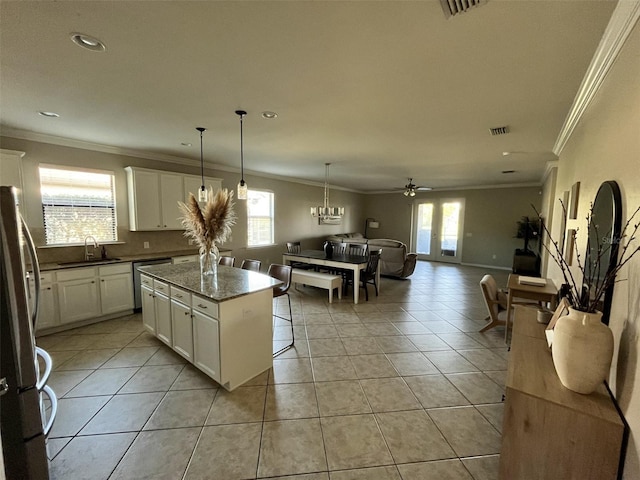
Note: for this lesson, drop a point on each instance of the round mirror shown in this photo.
(604, 237)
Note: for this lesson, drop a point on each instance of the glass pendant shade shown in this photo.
(242, 190)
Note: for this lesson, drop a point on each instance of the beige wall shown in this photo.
(606, 146)
(490, 217)
(292, 204)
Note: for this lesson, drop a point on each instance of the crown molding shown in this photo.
(160, 157)
(622, 21)
(548, 168)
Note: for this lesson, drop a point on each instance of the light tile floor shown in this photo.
(400, 387)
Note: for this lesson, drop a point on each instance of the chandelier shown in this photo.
(325, 212)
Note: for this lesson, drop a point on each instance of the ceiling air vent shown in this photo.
(499, 130)
(454, 7)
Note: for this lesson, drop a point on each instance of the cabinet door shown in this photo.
(172, 192)
(206, 344)
(163, 318)
(47, 308)
(192, 184)
(182, 330)
(78, 300)
(148, 309)
(116, 293)
(11, 172)
(147, 206)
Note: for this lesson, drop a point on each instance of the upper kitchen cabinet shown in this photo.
(153, 199)
(192, 184)
(11, 170)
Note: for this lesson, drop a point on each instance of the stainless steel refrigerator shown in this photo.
(24, 368)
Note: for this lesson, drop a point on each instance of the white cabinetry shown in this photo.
(11, 171)
(154, 196)
(206, 341)
(78, 294)
(116, 294)
(185, 259)
(47, 312)
(192, 184)
(148, 309)
(162, 308)
(181, 321)
(153, 199)
(74, 294)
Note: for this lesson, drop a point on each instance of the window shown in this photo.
(77, 203)
(259, 218)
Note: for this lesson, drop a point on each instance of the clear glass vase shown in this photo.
(209, 260)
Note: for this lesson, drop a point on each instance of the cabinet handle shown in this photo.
(187, 313)
(165, 226)
(158, 226)
(93, 281)
(102, 280)
(48, 288)
(178, 296)
(202, 306)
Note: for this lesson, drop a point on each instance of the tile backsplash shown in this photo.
(133, 244)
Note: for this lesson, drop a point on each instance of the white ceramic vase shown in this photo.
(582, 349)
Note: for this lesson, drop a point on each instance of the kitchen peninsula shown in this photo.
(222, 324)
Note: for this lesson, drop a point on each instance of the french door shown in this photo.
(437, 229)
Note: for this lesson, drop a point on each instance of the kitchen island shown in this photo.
(222, 324)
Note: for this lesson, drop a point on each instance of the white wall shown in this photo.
(606, 146)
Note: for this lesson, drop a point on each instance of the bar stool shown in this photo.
(282, 273)
(228, 261)
(253, 265)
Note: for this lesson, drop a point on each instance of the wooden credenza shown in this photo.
(550, 432)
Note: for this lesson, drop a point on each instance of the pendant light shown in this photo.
(325, 212)
(202, 193)
(242, 185)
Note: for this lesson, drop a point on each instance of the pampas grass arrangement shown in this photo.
(212, 223)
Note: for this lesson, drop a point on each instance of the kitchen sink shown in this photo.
(96, 261)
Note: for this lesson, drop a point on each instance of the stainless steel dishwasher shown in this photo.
(137, 296)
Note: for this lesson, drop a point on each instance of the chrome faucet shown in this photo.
(87, 255)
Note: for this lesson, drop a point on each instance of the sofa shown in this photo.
(394, 260)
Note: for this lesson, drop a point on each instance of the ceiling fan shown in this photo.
(411, 188)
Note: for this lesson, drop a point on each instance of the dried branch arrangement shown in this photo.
(587, 294)
(212, 223)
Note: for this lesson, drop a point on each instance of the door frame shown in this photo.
(436, 229)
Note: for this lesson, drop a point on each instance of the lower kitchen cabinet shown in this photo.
(162, 308)
(116, 292)
(182, 329)
(78, 297)
(47, 312)
(206, 343)
(148, 309)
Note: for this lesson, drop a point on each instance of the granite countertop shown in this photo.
(229, 283)
(121, 259)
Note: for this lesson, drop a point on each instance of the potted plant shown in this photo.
(582, 345)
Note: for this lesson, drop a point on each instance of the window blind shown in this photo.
(77, 203)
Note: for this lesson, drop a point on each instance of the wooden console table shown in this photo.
(550, 432)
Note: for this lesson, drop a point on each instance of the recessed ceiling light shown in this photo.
(269, 115)
(505, 154)
(88, 42)
(185, 144)
(508, 171)
(49, 114)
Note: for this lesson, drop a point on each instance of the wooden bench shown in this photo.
(317, 279)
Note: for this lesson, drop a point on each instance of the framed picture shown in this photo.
(569, 245)
(329, 220)
(573, 204)
(565, 205)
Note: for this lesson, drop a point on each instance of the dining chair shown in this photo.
(495, 305)
(293, 248)
(339, 248)
(228, 261)
(282, 273)
(368, 274)
(253, 265)
(357, 249)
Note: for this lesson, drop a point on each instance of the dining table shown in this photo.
(355, 263)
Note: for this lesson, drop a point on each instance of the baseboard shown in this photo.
(493, 267)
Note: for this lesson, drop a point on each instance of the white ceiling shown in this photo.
(384, 90)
